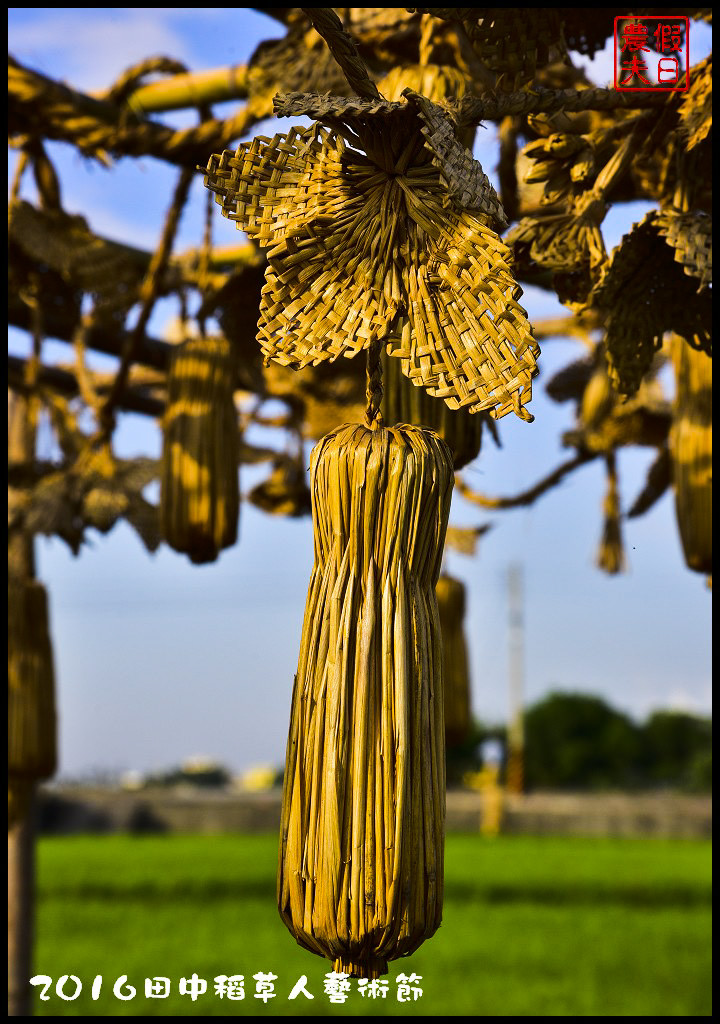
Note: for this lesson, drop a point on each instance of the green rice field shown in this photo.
(531, 928)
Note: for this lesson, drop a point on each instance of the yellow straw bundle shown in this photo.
(31, 693)
(200, 497)
(451, 604)
(691, 447)
(360, 877)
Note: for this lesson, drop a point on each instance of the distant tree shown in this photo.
(575, 741)
(677, 750)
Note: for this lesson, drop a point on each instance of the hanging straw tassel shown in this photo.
(360, 876)
(31, 693)
(200, 497)
(691, 448)
(451, 604)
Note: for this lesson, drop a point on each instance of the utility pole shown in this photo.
(515, 777)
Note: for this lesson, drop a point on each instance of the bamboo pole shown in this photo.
(191, 90)
(21, 838)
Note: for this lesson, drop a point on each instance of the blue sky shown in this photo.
(158, 660)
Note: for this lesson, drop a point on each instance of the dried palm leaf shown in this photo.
(360, 876)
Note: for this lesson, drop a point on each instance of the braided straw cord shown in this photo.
(360, 876)
(326, 22)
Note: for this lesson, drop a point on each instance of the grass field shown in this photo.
(531, 928)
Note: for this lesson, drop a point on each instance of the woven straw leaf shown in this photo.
(690, 235)
(371, 246)
(644, 294)
(696, 104)
(466, 181)
(67, 245)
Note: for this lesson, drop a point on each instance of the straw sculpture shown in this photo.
(200, 496)
(405, 403)
(380, 229)
(31, 693)
(691, 448)
(361, 862)
(456, 678)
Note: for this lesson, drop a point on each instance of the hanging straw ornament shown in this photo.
(200, 495)
(31, 693)
(361, 863)
(691, 450)
(381, 230)
(456, 677)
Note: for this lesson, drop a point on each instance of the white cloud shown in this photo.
(93, 47)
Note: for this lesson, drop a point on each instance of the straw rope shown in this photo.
(533, 493)
(149, 290)
(40, 106)
(343, 48)
(131, 78)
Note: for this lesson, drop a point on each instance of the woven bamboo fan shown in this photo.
(31, 693)
(380, 230)
(404, 403)
(456, 678)
(361, 862)
(691, 448)
(200, 497)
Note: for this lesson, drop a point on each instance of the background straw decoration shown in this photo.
(691, 448)
(361, 861)
(456, 678)
(200, 496)
(31, 692)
